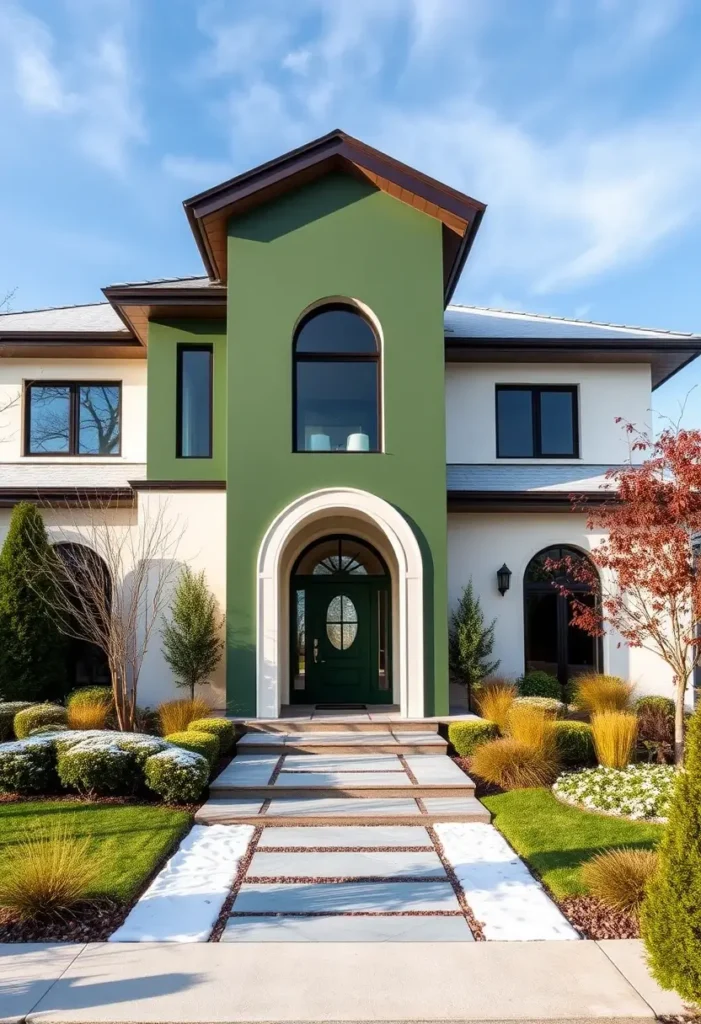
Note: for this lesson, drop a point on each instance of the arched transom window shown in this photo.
(337, 384)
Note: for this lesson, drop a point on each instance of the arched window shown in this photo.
(336, 382)
(552, 644)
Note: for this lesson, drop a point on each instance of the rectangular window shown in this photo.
(194, 406)
(537, 422)
(73, 418)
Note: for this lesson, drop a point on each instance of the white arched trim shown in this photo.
(408, 655)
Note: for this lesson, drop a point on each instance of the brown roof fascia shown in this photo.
(178, 485)
(142, 296)
(68, 497)
(527, 501)
(343, 147)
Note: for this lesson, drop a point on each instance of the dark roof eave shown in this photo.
(531, 501)
(68, 497)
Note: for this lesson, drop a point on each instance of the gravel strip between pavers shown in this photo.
(475, 926)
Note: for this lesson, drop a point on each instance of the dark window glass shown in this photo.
(195, 402)
(98, 419)
(344, 555)
(336, 331)
(556, 422)
(515, 423)
(536, 422)
(542, 633)
(337, 406)
(73, 419)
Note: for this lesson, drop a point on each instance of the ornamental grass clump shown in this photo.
(597, 693)
(619, 878)
(671, 913)
(89, 716)
(615, 734)
(176, 715)
(494, 698)
(532, 726)
(511, 764)
(48, 875)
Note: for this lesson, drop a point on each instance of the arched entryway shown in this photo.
(340, 604)
(552, 644)
(335, 513)
(86, 580)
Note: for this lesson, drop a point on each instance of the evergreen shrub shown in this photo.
(222, 728)
(204, 743)
(33, 717)
(178, 776)
(467, 736)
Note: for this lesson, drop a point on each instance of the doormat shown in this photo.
(340, 707)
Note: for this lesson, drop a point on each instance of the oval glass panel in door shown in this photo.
(341, 622)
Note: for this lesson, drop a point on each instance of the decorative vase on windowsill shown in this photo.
(319, 443)
(358, 443)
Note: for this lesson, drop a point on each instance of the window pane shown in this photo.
(195, 403)
(301, 643)
(515, 423)
(337, 406)
(49, 419)
(336, 330)
(556, 423)
(98, 419)
(541, 633)
(581, 647)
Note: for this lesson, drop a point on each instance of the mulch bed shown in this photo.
(89, 922)
(595, 921)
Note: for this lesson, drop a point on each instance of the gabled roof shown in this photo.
(210, 211)
(484, 322)
(87, 319)
(140, 301)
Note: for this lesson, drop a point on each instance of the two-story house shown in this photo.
(342, 447)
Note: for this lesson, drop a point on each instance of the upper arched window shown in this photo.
(337, 383)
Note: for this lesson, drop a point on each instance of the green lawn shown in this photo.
(133, 839)
(555, 839)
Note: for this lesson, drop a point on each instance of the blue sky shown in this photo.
(577, 121)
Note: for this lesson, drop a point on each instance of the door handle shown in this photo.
(316, 651)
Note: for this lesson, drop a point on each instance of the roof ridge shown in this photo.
(47, 309)
(573, 320)
(159, 280)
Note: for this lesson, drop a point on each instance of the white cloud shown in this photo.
(92, 88)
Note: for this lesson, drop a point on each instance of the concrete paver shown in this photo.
(447, 807)
(436, 770)
(344, 897)
(343, 780)
(342, 762)
(350, 807)
(629, 957)
(346, 835)
(27, 972)
(347, 929)
(222, 809)
(348, 864)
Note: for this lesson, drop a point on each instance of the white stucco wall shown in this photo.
(198, 521)
(605, 392)
(131, 373)
(479, 543)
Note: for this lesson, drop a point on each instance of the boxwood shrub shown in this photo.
(467, 736)
(177, 775)
(204, 743)
(90, 695)
(539, 684)
(8, 710)
(32, 718)
(575, 742)
(96, 770)
(28, 766)
(222, 728)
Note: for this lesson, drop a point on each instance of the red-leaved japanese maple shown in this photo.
(650, 579)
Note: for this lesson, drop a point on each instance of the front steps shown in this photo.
(346, 773)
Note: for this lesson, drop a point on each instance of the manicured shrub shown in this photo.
(614, 735)
(90, 695)
(8, 710)
(27, 766)
(575, 742)
(671, 914)
(494, 698)
(178, 776)
(539, 684)
(663, 704)
(597, 693)
(619, 878)
(553, 707)
(32, 649)
(176, 715)
(36, 715)
(97, 770)
(222, 728)
(48, 730)
(532, 727)
(514, 765)
(141, 747)
(204, 743)
(467, 736)
(48, 874)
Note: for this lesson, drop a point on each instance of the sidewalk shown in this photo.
(295, 982)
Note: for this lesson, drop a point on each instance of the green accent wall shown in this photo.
(336, 237)
(163, 340)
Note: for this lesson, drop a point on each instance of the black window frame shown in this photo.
(74, 387)
(337, 357)
(182, 348)
(536, 391)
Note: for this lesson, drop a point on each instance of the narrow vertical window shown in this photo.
(194, 411)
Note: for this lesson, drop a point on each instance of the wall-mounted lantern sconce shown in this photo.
(503, 579)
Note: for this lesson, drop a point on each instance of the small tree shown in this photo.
(470, 642)
(650, 581)
(671, 913)
(192, 642)
(32, 649)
